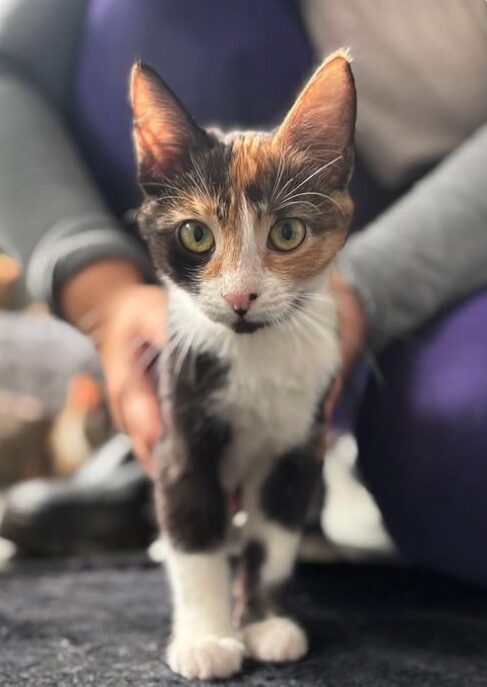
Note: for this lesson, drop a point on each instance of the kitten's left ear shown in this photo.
(164, 132)
(322, 120)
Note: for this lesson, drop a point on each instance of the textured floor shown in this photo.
(105, 624)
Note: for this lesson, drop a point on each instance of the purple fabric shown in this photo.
(232, 63)
(423, 442)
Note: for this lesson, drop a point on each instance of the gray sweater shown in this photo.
(426, 252)
(421, 74)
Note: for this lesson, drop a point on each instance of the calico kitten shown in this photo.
(242, 229)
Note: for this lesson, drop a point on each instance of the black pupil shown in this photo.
(198, 233)
(287, 231)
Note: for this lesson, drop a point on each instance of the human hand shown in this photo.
(127, 326)
(132, 335)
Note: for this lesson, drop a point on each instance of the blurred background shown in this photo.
(53, 413)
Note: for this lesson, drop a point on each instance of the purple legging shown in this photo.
(423, 442)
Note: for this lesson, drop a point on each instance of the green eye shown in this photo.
(287, 235)
(196, 237)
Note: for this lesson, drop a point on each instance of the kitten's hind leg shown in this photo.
(276, 506)
(269, 634)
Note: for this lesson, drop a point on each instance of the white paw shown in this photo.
(275, 640)
(207, 658)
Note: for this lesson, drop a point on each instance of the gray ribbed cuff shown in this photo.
(62, 253)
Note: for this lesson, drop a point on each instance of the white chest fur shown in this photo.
(276, 377)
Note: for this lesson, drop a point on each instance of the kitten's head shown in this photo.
(246, 223)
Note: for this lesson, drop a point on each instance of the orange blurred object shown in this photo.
(84, 393)
(9, 281)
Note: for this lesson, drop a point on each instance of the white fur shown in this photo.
(276, 640)
(277, 376)
(350, 517)
(276, 379)
(281, 551)
(247, 277)
(205, 659)
(281, 543)
(204, 643)
(196, 612)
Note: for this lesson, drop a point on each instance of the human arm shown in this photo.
(53, 218)
(427, 251)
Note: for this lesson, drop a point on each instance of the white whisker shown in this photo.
(283, 206)
(289, 181)
(204, 186)
(280, 170)
(313, 174)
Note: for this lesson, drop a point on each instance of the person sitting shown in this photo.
(410, 282)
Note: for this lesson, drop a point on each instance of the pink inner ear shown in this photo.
(163, 130)
(323, 116)
(154, 134)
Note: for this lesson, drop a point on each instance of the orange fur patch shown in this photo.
(309, 260)
(251, 155)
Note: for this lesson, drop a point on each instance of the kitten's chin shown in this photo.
(239, 326)
(246, 327)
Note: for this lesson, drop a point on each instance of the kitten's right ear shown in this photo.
(164, 132)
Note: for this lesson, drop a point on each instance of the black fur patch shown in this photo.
(195, 514)
(220, 212)
(259, 601)
(192, 504)
(253, 558)
(168, 255)
(208, 162)
(247, 327)
(287, 490)
(254, 192)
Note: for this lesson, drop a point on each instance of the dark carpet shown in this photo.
(104, 625)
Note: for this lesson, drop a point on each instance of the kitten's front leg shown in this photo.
(276, 504)
(204, 643)
(193, 513)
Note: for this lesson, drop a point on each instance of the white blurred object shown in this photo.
(7, 548)
(157, 550)
(350, 518)
(7, 552)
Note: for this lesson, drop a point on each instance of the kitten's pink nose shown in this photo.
(240, 302)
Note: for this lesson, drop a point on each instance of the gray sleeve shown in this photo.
(426, 252)
(52, 218)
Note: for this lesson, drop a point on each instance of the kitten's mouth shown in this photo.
(243, 326)
(246, 327)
